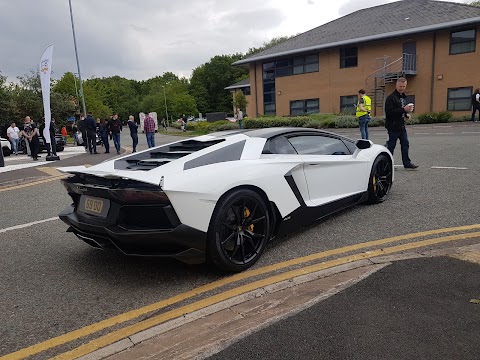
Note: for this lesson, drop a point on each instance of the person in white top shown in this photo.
(240, 118)
(12, 133)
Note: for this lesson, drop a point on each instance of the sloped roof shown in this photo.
(239, 85)
(379, 22)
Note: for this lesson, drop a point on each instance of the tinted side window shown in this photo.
(279, 145)
(318, 145)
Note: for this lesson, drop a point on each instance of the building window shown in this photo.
(246, 91)
(302, 107)
(462, 41)
(459, 99)
(291, 66)
(348, 57)
(348, 104)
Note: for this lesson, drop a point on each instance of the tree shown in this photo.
(475, 3)
(208, 82)
(267, 45)
(183, 104)
(240, 101)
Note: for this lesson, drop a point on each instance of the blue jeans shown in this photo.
(14, 145)
(393, 136)
(116, 141)
(363, 124)
(150, 139)
(135, 141)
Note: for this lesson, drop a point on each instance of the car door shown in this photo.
(332, 172)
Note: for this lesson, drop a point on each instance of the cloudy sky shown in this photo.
(140, 39)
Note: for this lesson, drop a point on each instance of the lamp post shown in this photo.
(78, 63)
(165, 97)
(76, 91)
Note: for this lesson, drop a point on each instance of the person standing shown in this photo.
(133, 131)
(82, 127)
(91, 126)
(114, 128)
(103, 133)
(149, 128)
(51, 148)
(240, 118)
(74, 131)
(164, 124)
(12, 133)
(184, 122)
(475, 104)
(30, 130)
(396, 113)
(364, 107)
(64, 134)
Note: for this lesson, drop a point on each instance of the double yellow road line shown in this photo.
(183, 310)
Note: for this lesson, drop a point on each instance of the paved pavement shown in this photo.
(425, 307)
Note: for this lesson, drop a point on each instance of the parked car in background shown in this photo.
(59, 144)
(80, 141)
(6, 147)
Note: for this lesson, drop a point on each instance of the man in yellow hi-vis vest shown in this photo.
(364, 106)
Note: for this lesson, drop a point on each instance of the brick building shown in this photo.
(432, 43)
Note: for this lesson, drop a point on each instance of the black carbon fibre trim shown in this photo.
(294, 188)
(228, 153)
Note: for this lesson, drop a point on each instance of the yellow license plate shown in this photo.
(93, 205)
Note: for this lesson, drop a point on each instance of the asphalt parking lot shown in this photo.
(56, 284)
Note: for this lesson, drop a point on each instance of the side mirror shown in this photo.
(363, 144)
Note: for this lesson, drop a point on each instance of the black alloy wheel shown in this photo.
(239, 231)
(380, 180)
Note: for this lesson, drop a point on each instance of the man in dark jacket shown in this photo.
(397, 111)
(91, 133)
(82, 127)
(133, 132)
(114, 127)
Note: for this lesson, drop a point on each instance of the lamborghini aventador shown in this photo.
(221, 197)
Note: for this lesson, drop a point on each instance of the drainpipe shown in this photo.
(432, 80)
(255, 82)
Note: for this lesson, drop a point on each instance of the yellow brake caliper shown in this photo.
(374, 183)
(246, 214)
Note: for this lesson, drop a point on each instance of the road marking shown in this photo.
(470, 132)
(449, 167)
(444, 133)
(215, 299)
(50, 170)
(421, 133)
(130, 315)
(33, 183)
(22, 226)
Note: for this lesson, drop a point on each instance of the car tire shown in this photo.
(380, 181)
(239, 231)
(60, 149)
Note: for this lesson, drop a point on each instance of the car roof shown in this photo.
(268, 133)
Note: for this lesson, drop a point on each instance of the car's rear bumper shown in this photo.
(181, 242)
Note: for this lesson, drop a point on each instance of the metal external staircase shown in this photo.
(387, 72)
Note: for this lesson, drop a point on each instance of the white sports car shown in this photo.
(221, 197)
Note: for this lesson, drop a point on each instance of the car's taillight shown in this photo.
(140, 196)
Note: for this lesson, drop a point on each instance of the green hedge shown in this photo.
(315, 121)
